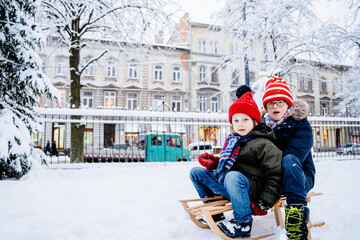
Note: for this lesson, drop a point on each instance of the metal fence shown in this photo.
(336, 137)
(115, 135)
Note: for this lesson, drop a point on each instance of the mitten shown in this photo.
(214, 158)
(256, 210)
(208, 161)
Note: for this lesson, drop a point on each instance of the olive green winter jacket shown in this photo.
(260, 161)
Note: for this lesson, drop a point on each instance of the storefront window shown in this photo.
(88, 135)
(209, 133)
(59, 135)
(109, 135)
(36, 139)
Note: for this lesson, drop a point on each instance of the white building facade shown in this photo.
(190, 74)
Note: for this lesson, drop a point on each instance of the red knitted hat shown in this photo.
(276, 89)
(246, 105)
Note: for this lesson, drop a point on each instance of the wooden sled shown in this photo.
(221, 205)
(196, 213)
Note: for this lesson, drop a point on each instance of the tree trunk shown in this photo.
(77, 129)
(77, 141)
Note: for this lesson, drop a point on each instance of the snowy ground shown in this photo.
(140, 201)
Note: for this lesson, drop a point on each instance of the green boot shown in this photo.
(296, 220)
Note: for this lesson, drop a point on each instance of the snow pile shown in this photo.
(16, 154)
(140, 201)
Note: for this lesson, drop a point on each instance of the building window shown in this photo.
(158, 72)
(308, 84)
(324, 109)
(43, 63)
(323, 86)
(336, 109)
(109, 99)
(61, 66)
(88, 135)
(88, 98)
(58, 133)
(37, 139)
(89, 71)
(176, 103)
(176, 74)
(214, 104)
(132, 101)
(133, 71)
(214, 47)
(235, 77)
(202, 104)
(235, 49)
(337, 86)
(214, 75)
(109, 135)
(157, 102)
(202, 46)
(62, 101)
(301, 83)
(111, 68)
(202, 77)
(311, 108)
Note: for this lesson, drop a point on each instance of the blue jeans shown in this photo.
(236, 188)
(296, 182)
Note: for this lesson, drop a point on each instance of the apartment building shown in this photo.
(124, 78)
(191, 73)
(319, 87)
(195, 71)
(214, 73)
(210, 50)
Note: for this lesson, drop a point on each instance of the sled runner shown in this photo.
(216, 205)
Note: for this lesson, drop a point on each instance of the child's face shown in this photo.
(242, 124)
(277, 112)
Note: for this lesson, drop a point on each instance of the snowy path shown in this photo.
(140, 201)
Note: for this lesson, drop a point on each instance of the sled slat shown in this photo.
(202, 199)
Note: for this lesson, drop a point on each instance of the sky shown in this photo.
(201, 10)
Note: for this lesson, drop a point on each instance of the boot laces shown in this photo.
(293, 223)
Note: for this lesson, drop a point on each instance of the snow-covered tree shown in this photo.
(132, 21)
(21, 81)
(346, 36)
(279, 32)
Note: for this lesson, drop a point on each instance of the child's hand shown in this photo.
(208, 161)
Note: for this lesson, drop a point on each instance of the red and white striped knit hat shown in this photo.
(276, 89)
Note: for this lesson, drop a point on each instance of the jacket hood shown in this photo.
(300, 110)
(264, 131)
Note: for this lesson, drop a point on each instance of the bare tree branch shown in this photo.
(91, 61)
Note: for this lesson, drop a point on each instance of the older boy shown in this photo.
(294, 137)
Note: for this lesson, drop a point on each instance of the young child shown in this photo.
(249, 168)
(294, 136)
